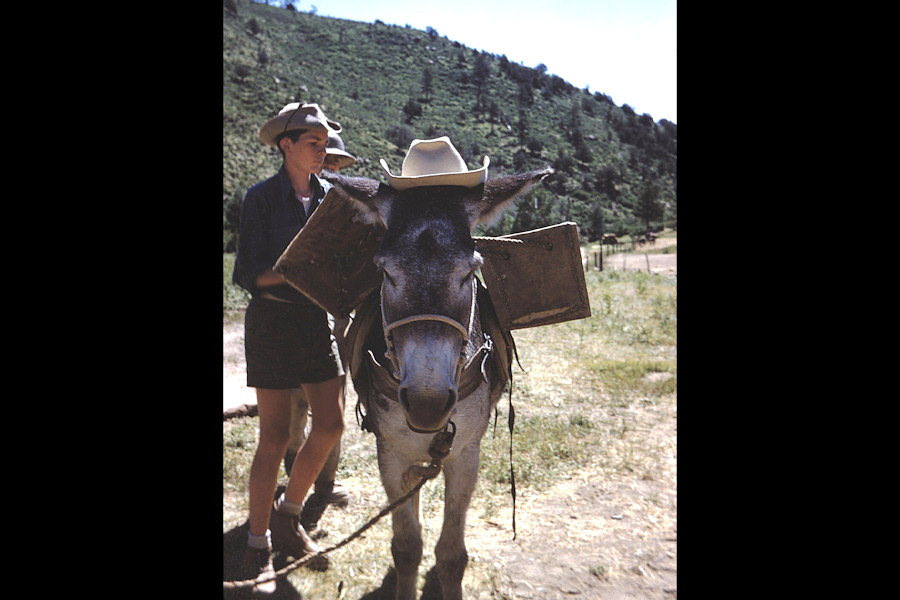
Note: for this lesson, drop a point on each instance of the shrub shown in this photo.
(412, 109)
(400, 136)
(242, 71)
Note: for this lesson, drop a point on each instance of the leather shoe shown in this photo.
(258, 565)
(288, 535)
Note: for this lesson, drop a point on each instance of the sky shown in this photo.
(625, 49)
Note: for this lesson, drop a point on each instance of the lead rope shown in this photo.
(441, 445)
(511, 421)
(512, 474)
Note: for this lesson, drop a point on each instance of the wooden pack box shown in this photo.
(330, 259)
(535, 277)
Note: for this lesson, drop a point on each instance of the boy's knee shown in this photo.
(331, 428)
(336, 427)
(273, 442)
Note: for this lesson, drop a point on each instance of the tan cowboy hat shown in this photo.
(296, 116)
(434, 162)
(336, 148)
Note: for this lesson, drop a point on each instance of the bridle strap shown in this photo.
(441, 318)
(462, 329)
(459, 327)
(471, 373)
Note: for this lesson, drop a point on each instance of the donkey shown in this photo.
(428, 332)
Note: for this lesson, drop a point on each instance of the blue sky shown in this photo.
(622, 48)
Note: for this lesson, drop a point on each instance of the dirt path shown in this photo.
(639, 259)
(235, 392)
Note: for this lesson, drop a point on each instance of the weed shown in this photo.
(233, 297)
(239, 440)
(599, 571)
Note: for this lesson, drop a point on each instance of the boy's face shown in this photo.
(308, 152)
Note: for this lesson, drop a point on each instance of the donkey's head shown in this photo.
(428, 259)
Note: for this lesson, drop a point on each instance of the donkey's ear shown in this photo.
(371, 198)
(499, 193)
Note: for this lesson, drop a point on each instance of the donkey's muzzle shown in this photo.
(427, 409)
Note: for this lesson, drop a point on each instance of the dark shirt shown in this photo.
(271, 216)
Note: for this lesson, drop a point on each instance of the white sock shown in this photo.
(287, 506)
(260, 541)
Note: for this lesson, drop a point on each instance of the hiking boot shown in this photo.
(319, 500)
(258, 565)
(289, 536)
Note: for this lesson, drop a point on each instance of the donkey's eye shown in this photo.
(467, 280)
(380, 262)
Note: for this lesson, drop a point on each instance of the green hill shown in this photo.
(615, 170)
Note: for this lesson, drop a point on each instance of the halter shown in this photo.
(459, 327)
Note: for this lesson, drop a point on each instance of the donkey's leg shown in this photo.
(406, 548)
(460, 476)
(406, 545)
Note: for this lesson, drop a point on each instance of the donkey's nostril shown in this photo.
(451, 400)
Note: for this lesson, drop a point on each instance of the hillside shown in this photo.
(615, 170)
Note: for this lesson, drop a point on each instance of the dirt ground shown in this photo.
(592, 536)
(638, 260)
(596, 537)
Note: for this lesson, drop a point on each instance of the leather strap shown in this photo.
(495, 355)
(473, 375)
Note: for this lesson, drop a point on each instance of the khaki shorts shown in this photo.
(287, 344)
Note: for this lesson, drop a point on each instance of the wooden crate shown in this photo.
(535, 277)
